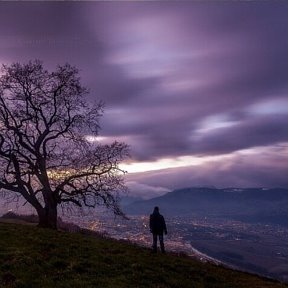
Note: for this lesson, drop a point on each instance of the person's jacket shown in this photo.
(157, 223)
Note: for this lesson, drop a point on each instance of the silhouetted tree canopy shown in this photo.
(44, 153)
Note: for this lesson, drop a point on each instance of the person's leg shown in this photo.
(154, 246)
(161, 240)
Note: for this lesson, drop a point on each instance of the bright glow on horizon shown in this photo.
(91, 138)
(167, 163)
(185, 161)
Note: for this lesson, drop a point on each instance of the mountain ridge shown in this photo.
(236, 203)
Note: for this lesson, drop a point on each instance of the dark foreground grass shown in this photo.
(33, 257)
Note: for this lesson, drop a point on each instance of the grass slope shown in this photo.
(34, 257)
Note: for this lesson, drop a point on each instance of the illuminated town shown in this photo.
(256, 248)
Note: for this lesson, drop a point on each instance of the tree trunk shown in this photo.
(48, 217)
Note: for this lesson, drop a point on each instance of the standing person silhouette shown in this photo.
(157, 228)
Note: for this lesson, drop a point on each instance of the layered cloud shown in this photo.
(179, 79)
(145, 191)
(258, 167)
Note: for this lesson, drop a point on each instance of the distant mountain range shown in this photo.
(248, 204)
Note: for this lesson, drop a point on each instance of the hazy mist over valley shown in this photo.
(247, 204)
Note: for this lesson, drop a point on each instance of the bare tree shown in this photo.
(44, 154)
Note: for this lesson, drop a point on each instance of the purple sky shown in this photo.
(197, 88)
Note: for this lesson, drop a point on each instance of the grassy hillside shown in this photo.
(34, 257)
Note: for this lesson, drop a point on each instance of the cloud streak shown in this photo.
(265, 167)
(185, 79)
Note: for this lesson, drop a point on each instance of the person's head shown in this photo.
(156, 209)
